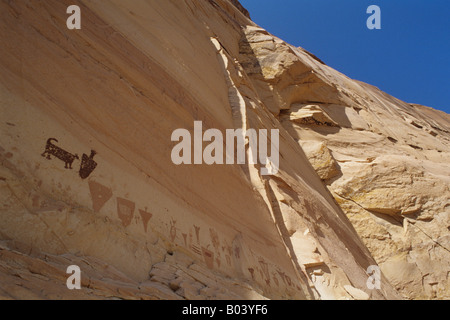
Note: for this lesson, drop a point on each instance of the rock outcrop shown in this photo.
(385, 161)
(105, 100)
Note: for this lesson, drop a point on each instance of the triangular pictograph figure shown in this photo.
(99, 195)
(146, 216)
(125, 210)
(87, 165)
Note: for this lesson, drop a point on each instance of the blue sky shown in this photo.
(408, 58)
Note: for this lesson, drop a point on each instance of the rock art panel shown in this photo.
(100, 194)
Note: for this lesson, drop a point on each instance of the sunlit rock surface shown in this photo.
(141, 227)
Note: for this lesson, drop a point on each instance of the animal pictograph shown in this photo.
(53, 150)
(87, 165)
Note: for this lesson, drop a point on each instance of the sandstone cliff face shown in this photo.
(385, 161)
(141, 227)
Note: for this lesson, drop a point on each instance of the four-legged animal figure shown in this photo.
(52, 150)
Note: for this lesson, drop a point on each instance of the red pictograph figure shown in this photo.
(125, 210)
(146, 216)
(100, 194)
(197, 233)
(173, 230)
(208, 255)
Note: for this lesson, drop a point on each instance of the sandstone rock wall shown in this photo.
(141, 227)
(385, 161)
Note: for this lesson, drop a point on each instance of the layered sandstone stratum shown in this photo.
(363, 179)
